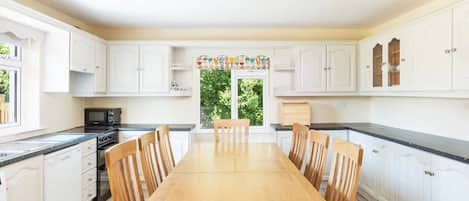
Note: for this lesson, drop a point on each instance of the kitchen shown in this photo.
(390, 77)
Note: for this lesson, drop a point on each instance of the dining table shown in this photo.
(235, 172)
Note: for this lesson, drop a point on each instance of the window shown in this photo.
(10, 62)
(232, 94)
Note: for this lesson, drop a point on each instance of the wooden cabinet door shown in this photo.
(311, 69)
(24, 180)
(413, 184)
(284, 141)
(101, 66)
(461, 47)
(450, 179)
(124, 68)
(432, 37)
(82, 54)
(365, 65)
(341, 62)
(154, 66)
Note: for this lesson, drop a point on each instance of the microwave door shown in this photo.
(96, 117)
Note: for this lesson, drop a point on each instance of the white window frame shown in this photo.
(14, 63)
(261, 74)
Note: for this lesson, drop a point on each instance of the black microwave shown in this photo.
(102, 116)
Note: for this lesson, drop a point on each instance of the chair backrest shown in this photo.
(231, 130)
(166, 151)
(124, 179)
(298, 144)
(345, 171)
(318, 146)
(149, 158)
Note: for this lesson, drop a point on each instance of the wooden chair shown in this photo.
(231, 130)
(318, 146)
(124, 179)
(149, 158)
(345, 171)
(166, 152)
(298, 144)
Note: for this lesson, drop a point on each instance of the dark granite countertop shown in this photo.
(442, 146)
(85, 133)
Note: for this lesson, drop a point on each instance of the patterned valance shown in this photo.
(227, 62)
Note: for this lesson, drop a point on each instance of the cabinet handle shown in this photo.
(325, 68)
(447, 51)
(90, 179)
(375, 151)
(454, 49)
(329, 68)
(384, 63)
(429, 173)
(65, 158)
(367, 66)
(403, 59)
(97, 67)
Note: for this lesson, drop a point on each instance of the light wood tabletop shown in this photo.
(241, 172)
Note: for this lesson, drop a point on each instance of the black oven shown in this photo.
(102, 116)
(105, 141)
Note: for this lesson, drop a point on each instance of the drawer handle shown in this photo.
(90, 179)
(375, 151)
(89, 163)
(89, 194)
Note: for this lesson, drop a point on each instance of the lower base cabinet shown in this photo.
(23, 181)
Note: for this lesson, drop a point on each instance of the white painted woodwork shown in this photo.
(365, 65)
(55, 68)
(432, 39)
(154, 68)
(408, 76)
(23, 181)
(311, 69)
(340, 134)
(461, 47)
(100, 75)
(450, 181)
(341, 68)
(180, 144)
(82, 53)
(284, 141)
(63, 169)
(124, 68)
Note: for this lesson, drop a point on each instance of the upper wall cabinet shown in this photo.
(341, 67)
(82, 52)
(432, 43)
(322, 68)
(138, 68)
(311, 69)
(461, 47)
(101, 66)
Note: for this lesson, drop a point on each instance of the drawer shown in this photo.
(88, 178)
(89, 192)
(88, 162)
(88, 147)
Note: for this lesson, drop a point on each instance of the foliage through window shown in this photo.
(217, 96)
(9, 76)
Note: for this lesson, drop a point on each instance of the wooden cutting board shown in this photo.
(295, 112)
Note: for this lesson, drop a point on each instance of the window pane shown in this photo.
(215, 96)
(250, 101)
(8, 97)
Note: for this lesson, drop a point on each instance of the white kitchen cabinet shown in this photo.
(461, 47)
(130, 135)
(311, 69)
(365, 65)
(23, 181)
(284, 141)
(101, 66)
(341, 68)
(180, 144)
(450, 179)
(62, 175)
(154, 67)
(339, 134)
(432, 43)
(124, 68)
(82, 53)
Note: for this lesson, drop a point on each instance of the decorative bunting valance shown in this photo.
(239, 63)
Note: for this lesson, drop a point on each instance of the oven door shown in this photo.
(103, 188)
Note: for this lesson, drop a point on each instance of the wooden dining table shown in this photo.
(235, 172)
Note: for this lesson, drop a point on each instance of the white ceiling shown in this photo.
(247, 13)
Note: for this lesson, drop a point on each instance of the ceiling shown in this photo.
(245, 13)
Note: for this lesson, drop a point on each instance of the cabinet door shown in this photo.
(413, 184)
(180, 143)
(154, 66)
(123, 68)
(24, 180)
(101, 65)
(82, 53)
(461, 47)
(407, 75)
(284, 141)
(341, 62)
(432, 38)
(450, 180)
(311, 69)
(365, 65)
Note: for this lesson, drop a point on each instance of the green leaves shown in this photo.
(4, 49)
(250, 100)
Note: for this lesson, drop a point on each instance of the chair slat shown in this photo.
(298, 145)
(231, 130)
(147, 145)
(166, 151)
(319, 144)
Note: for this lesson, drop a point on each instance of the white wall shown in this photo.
(445, 117)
